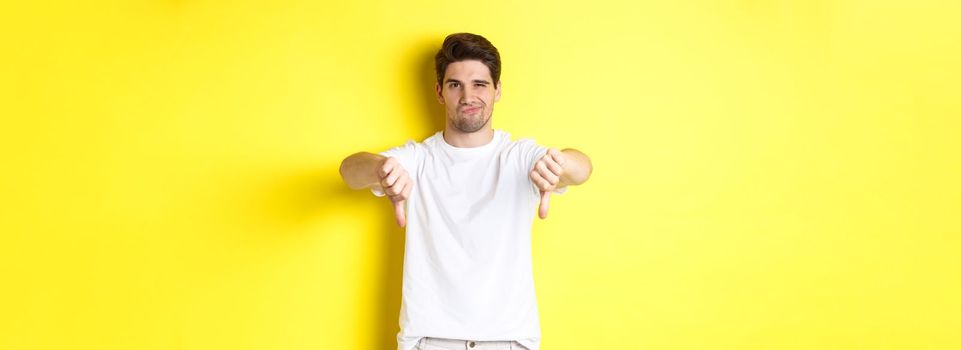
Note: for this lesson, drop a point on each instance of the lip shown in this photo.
(470, 109)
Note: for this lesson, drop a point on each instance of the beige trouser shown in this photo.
(428, 343)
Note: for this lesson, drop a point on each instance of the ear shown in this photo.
(439, 90)
(497, 92)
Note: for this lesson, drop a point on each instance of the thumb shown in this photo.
(545, 198)
(399, 213)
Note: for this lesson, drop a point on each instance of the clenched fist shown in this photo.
(396, 184)
(546, 175)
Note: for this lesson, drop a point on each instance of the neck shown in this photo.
(462, 139)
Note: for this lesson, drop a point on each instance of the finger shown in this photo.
(392, 178)
(388, 189)
(557, 155)
(539, 181)
(392, 190)
(545, 199)
(407, 188)
(398, 187)
(403, 186)
(554, 166)
(385, 169)
(546, 173)
(399, 213)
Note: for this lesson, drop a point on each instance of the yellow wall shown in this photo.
(768, 174)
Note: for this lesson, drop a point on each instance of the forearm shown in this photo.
(359, 170)
(577, 168)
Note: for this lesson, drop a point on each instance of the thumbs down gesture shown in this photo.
(397, 185)
(546, 175)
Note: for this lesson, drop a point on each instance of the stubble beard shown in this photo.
(469, 124)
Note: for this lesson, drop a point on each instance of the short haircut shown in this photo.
(466, 46)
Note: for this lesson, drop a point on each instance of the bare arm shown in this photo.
(577, 168)
(557, 169)
(365, 169)
(359, 170)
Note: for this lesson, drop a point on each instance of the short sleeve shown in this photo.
(408, 154)
(531, 152)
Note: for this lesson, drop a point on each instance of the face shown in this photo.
(468, 94)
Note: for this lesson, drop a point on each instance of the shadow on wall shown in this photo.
(313, 194)
(267, 200)
(319, 193)
(423, 78)
(387, 315)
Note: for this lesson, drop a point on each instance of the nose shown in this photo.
(467, 97)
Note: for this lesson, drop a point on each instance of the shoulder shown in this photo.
(433, 140)
(411, 145)
(522, 144)
(523, 151)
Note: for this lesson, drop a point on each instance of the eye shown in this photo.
(480, 85)
(452, 85)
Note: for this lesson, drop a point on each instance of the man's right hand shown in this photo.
(396, 184)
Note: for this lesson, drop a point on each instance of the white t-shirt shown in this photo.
(467, 260)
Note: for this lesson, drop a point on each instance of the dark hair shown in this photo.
(466, 46)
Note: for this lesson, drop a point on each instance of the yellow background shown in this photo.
(768, 174)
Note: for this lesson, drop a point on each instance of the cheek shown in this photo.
(448, 98)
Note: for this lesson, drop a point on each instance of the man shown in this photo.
(465, 196)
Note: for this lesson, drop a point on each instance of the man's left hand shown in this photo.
(546, 175)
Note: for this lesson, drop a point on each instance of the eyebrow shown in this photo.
(475, 81)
